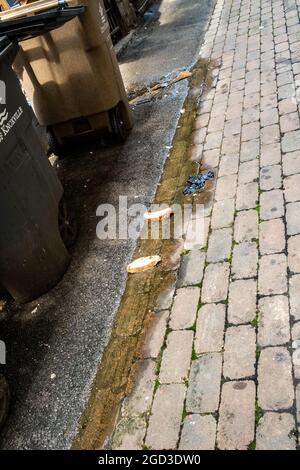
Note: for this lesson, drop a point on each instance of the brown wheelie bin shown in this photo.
(72, 77)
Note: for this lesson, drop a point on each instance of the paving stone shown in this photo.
(213, 140)
(271, 236)
(248, 171)
(219, 245)
(236, 96)
(291, 141)
(236, 420)
(199, 135)
(191, 268)
(202, 121)
(275, 431)
(275, 383)
(296, 354)
(274, 321)
(139, 400)
(289, 122)
(252, 86)
(270, 87)
(286, 91)
(210, 158)
(165, 296)
(269, 116)
(196, 232)
(270, 177)
(298, 405)
(294, 253)
(237, 74)
(294, 283)
(240, 351)
(226, 187)
(291, 163)
(204, 384)
(253, 75)
(210, 328)
(229, 165)
(293, 218)
(234, 110)
(271, 204)
(232, 127)
(196, 152)
(249, 150)
(198, 433)
(251, 100)
(216, 123)
(156, 334)
(272, 274)
(218, 108)
(184, 309)
(206, 106)
(215, 283)
(246, 226)
(250, 115)
(287, 106)
(247, 196)
(283, 78)
(252, 65)
(270, 134)
(250, 131)
(244, 260)
(292, 188)
(165, 420)
(270, 154)
(222, 214)
(296, 68)
(269, 101)
(242, 308)
(296, 331)
(129, 433)
(176, 357)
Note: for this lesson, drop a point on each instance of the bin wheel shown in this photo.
(67, 224)
(54, 146)
(4, 399)
(118, 125)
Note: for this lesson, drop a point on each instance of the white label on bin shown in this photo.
(8, 122)
(104, 23)
(3, 116)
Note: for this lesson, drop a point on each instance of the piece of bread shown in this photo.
(158, 215)
(142, 264)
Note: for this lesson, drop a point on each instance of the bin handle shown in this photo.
(37, 7)
(7, 49)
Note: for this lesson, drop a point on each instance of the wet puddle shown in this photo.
(148, 293)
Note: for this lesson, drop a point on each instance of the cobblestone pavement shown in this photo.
(223, 359)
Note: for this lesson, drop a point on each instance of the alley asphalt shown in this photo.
(55, 344)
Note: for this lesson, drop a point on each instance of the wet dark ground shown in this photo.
(56, 343)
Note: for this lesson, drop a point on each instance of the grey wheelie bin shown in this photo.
(33, 256)
(72, 77)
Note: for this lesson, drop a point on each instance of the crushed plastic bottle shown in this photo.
(195, 182)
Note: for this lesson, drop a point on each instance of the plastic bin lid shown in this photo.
(4, 42)
(36, 25)
(6, 46)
